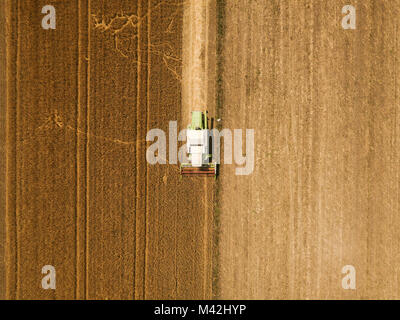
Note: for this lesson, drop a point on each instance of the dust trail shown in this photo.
(194, 57)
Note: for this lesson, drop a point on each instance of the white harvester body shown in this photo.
(198, 148)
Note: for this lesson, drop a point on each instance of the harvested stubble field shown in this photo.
(324, 104)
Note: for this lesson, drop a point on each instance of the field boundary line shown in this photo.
(87, 188)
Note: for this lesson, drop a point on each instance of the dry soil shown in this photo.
(324, 104)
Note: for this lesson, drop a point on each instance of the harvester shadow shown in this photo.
(211, 144)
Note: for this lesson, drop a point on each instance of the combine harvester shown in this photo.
(198, 148)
